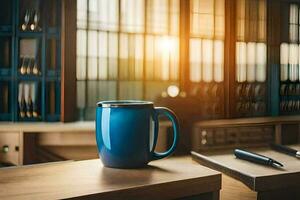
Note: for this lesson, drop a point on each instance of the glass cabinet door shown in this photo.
(206, 55)
(289, 60)
(251, 58)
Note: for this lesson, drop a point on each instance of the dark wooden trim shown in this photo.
(229, 56)
(184, 45)
(68, 60)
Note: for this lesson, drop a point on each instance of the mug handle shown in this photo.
(165, 111)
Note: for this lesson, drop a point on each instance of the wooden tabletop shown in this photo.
(163, 179)
(257, 177)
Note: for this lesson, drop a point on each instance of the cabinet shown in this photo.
(33, 63)
(10, 147)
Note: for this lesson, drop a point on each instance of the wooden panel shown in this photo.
(67, 139)
(249, 121)
(73, 152)
(164, 179)
(40, 127)
(256, 177)
(232, 137)
(12, 141)
(234, 189)
(68, 59)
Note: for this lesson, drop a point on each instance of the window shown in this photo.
(289, 51)
(207, 32)
(251, 48)
(126, 49)
(289, 63)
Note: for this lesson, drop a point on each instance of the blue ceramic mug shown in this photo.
(126, 133)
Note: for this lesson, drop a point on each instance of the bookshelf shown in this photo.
(32, 63)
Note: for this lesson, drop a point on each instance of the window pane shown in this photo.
(92, 93)
(284, 61)
(241, 61)
(108, 14)
(241, 19)
(220, 19)
(174, 18)
(139, 57)
(262, 20)
(195, 60)
(131, 57)
(150, 57)
(251, 61)
(103, 55)
(174, 58)
(132, 15)
(207, 47)
(202, 18)
(81, 55)
(124, 56)
(92, 55)
(81, 94)
(293, 62)
(107, 90)
(93, 14)
(293, 22)
(218, 61)
(113, 55)
(261, 62)
(293, 32)
(81, 13)
(131, 90)
(157, 16)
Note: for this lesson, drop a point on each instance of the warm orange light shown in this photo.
(173, 91)
(167, 45)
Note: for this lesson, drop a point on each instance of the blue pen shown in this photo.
(256, 158)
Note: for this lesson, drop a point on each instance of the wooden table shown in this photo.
(173, 178)
(245, 180)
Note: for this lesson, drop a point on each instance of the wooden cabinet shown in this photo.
(10, 147)
(35, 65)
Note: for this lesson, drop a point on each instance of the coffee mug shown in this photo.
(127, 132)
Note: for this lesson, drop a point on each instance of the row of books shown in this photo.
(250, 91)
(162, 16)
(248, 106)
(290, 89)
(290, 105)
(108, 56)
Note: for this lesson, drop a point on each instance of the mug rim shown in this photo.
(124, 103)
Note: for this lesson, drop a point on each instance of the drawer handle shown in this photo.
(5, 148)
